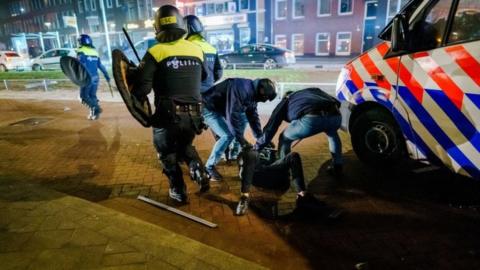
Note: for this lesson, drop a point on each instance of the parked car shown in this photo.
(51, 58)
(10, 60)
(141, 47)
(264, 55)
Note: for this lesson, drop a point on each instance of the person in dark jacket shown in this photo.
(88, 56)
(174, 68)
(263, 169)
(309, 111)
(214, 68)
(223, 107)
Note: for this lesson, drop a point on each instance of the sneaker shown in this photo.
(200, 177)
(96, 113)
(242, 206)
(335, 170)
(177, 195)
(213, 174)
(90, 114)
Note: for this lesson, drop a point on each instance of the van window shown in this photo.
(427, 32)
(466, 24)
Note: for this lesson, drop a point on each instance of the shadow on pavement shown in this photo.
(392, 220)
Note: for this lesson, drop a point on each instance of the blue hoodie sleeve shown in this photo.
(254, 120)
(103, 69)
(233, 112)
(278, 115)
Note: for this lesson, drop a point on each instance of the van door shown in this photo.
(441, 83)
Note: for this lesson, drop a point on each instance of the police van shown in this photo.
(417, 93)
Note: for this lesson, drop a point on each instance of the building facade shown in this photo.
(318, 27)
(229, 24)
(33, 26)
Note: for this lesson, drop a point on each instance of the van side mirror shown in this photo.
(399, 36)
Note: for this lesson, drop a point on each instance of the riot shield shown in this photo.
(141, 111)
(75, 71)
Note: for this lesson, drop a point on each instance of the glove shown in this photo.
(246, 145)
(270, 145)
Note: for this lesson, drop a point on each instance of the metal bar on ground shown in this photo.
(178, 212)
(5, 83)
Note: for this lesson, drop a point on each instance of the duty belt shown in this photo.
(193, 109)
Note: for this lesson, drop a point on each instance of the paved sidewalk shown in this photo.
(44, 229)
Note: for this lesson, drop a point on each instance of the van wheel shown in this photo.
(377, 139)
(36, 67)
(3, 68)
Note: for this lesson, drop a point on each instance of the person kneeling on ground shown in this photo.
(263, 169)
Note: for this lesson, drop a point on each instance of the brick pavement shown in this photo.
(45, 229)
(392, 221)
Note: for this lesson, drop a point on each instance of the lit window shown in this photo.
(281, 41)
(298, 44)
(322, 46)
(344, 43)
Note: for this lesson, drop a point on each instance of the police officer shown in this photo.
(88, 56)
(309, 111)
(224, 105)
(174, 68)
(214, 68)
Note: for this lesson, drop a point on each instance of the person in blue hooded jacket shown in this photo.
(224, 105)
(88, 56)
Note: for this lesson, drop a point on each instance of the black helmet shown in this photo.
(265, 89)
(194, 25)
(168, 24)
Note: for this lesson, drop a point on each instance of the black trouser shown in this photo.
(254, 172)
(174, 144)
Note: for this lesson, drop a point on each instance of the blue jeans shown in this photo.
(88, 94)
(219, 126)
(235, 145)
(310, 125)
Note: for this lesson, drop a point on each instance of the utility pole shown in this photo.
(105, 26)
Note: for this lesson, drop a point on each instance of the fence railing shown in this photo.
(283, 87)
(65, 84)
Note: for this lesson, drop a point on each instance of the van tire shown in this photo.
(377, 139)
(3, 68)
(36, 67)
